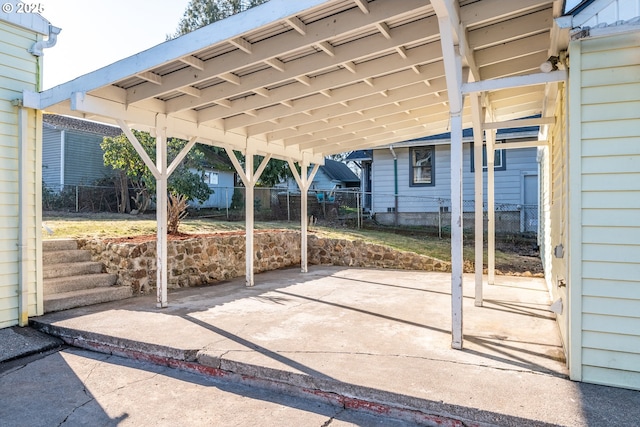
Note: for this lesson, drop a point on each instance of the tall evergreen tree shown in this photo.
(204, 12)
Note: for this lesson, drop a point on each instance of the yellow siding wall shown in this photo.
(18, 71)
(608, 235)
(554, 195)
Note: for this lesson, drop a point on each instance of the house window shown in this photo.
(211, 178)
(422, 166)
(500, 159)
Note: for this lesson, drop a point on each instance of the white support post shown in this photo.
(161, 217)
(303, 180)
(478, 141)
(304, 220)
(491, 208)
(456, 231)
(249, 211)
(451, 37)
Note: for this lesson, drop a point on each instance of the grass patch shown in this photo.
(119, 225)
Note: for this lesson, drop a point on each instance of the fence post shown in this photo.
(288, 205)
(440, 219)
(77, 201)
(358, 209)
(226, 201)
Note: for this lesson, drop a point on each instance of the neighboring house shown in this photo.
(219, 175)
(20, 177)
(591, 196)
(418, 172)
(71, 152)
(71, 155)
(331, 176)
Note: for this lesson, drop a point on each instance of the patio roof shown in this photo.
(302, 80)
(310, 78)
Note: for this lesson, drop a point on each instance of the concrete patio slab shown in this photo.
(377, 339)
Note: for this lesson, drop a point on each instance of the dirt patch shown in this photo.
(524, 259)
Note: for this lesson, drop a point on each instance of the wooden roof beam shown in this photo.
(384, 30)
(242, 44)
(363, 5)
(154, 78)
(327, 48)
(275, 63)
(191, 60)
(297, 25)
(231, 78)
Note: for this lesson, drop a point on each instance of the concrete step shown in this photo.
(59, 245)
(84, 297)
(65, 256)
(51, 271)
(74, 283)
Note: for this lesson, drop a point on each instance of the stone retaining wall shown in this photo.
(206, 260)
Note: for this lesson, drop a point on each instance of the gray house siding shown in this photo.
(222, 192)
(51, 158)
(322, 182)
(509, 183)
(83, 159)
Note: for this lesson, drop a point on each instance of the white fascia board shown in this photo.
(515, 81)
(515, 136)
(229, 28)
(30, 21)
(142, 119)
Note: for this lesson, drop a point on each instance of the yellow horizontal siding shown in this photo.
(612, 199)
(611, 359)
(621, 289)
(611, 342)
(611, 235)
(612, 271)
(611, 93)
(619, 307)
(611, 377)
(610, 181)
(8, 318)
(612, 253)
(621, 75)
(611, 129)
(607, 217)
(604, 45)
(611, 324)
(611, 147)
(18, 72)
(9, 303)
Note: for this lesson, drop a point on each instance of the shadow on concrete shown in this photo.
(49, 393)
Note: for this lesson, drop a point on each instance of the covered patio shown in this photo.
(377, 340)
(301, 80)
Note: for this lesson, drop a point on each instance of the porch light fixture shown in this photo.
(550, 64)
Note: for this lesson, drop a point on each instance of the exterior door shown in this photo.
(529, 213)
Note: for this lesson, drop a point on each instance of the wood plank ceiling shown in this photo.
(322, 77)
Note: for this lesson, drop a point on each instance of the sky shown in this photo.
(96, 33)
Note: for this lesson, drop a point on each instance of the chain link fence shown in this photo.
(346, 207)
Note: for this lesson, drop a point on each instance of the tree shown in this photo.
(204, 12)
(120, 155)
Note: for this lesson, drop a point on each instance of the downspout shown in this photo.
(37, 48)
(395, 185)
(23, 267)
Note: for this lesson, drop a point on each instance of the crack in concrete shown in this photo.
(74, 410)
(330, 420)
(431, 359)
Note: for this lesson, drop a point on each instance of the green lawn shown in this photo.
(121, 225)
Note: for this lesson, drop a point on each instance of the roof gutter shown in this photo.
(38, 47)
